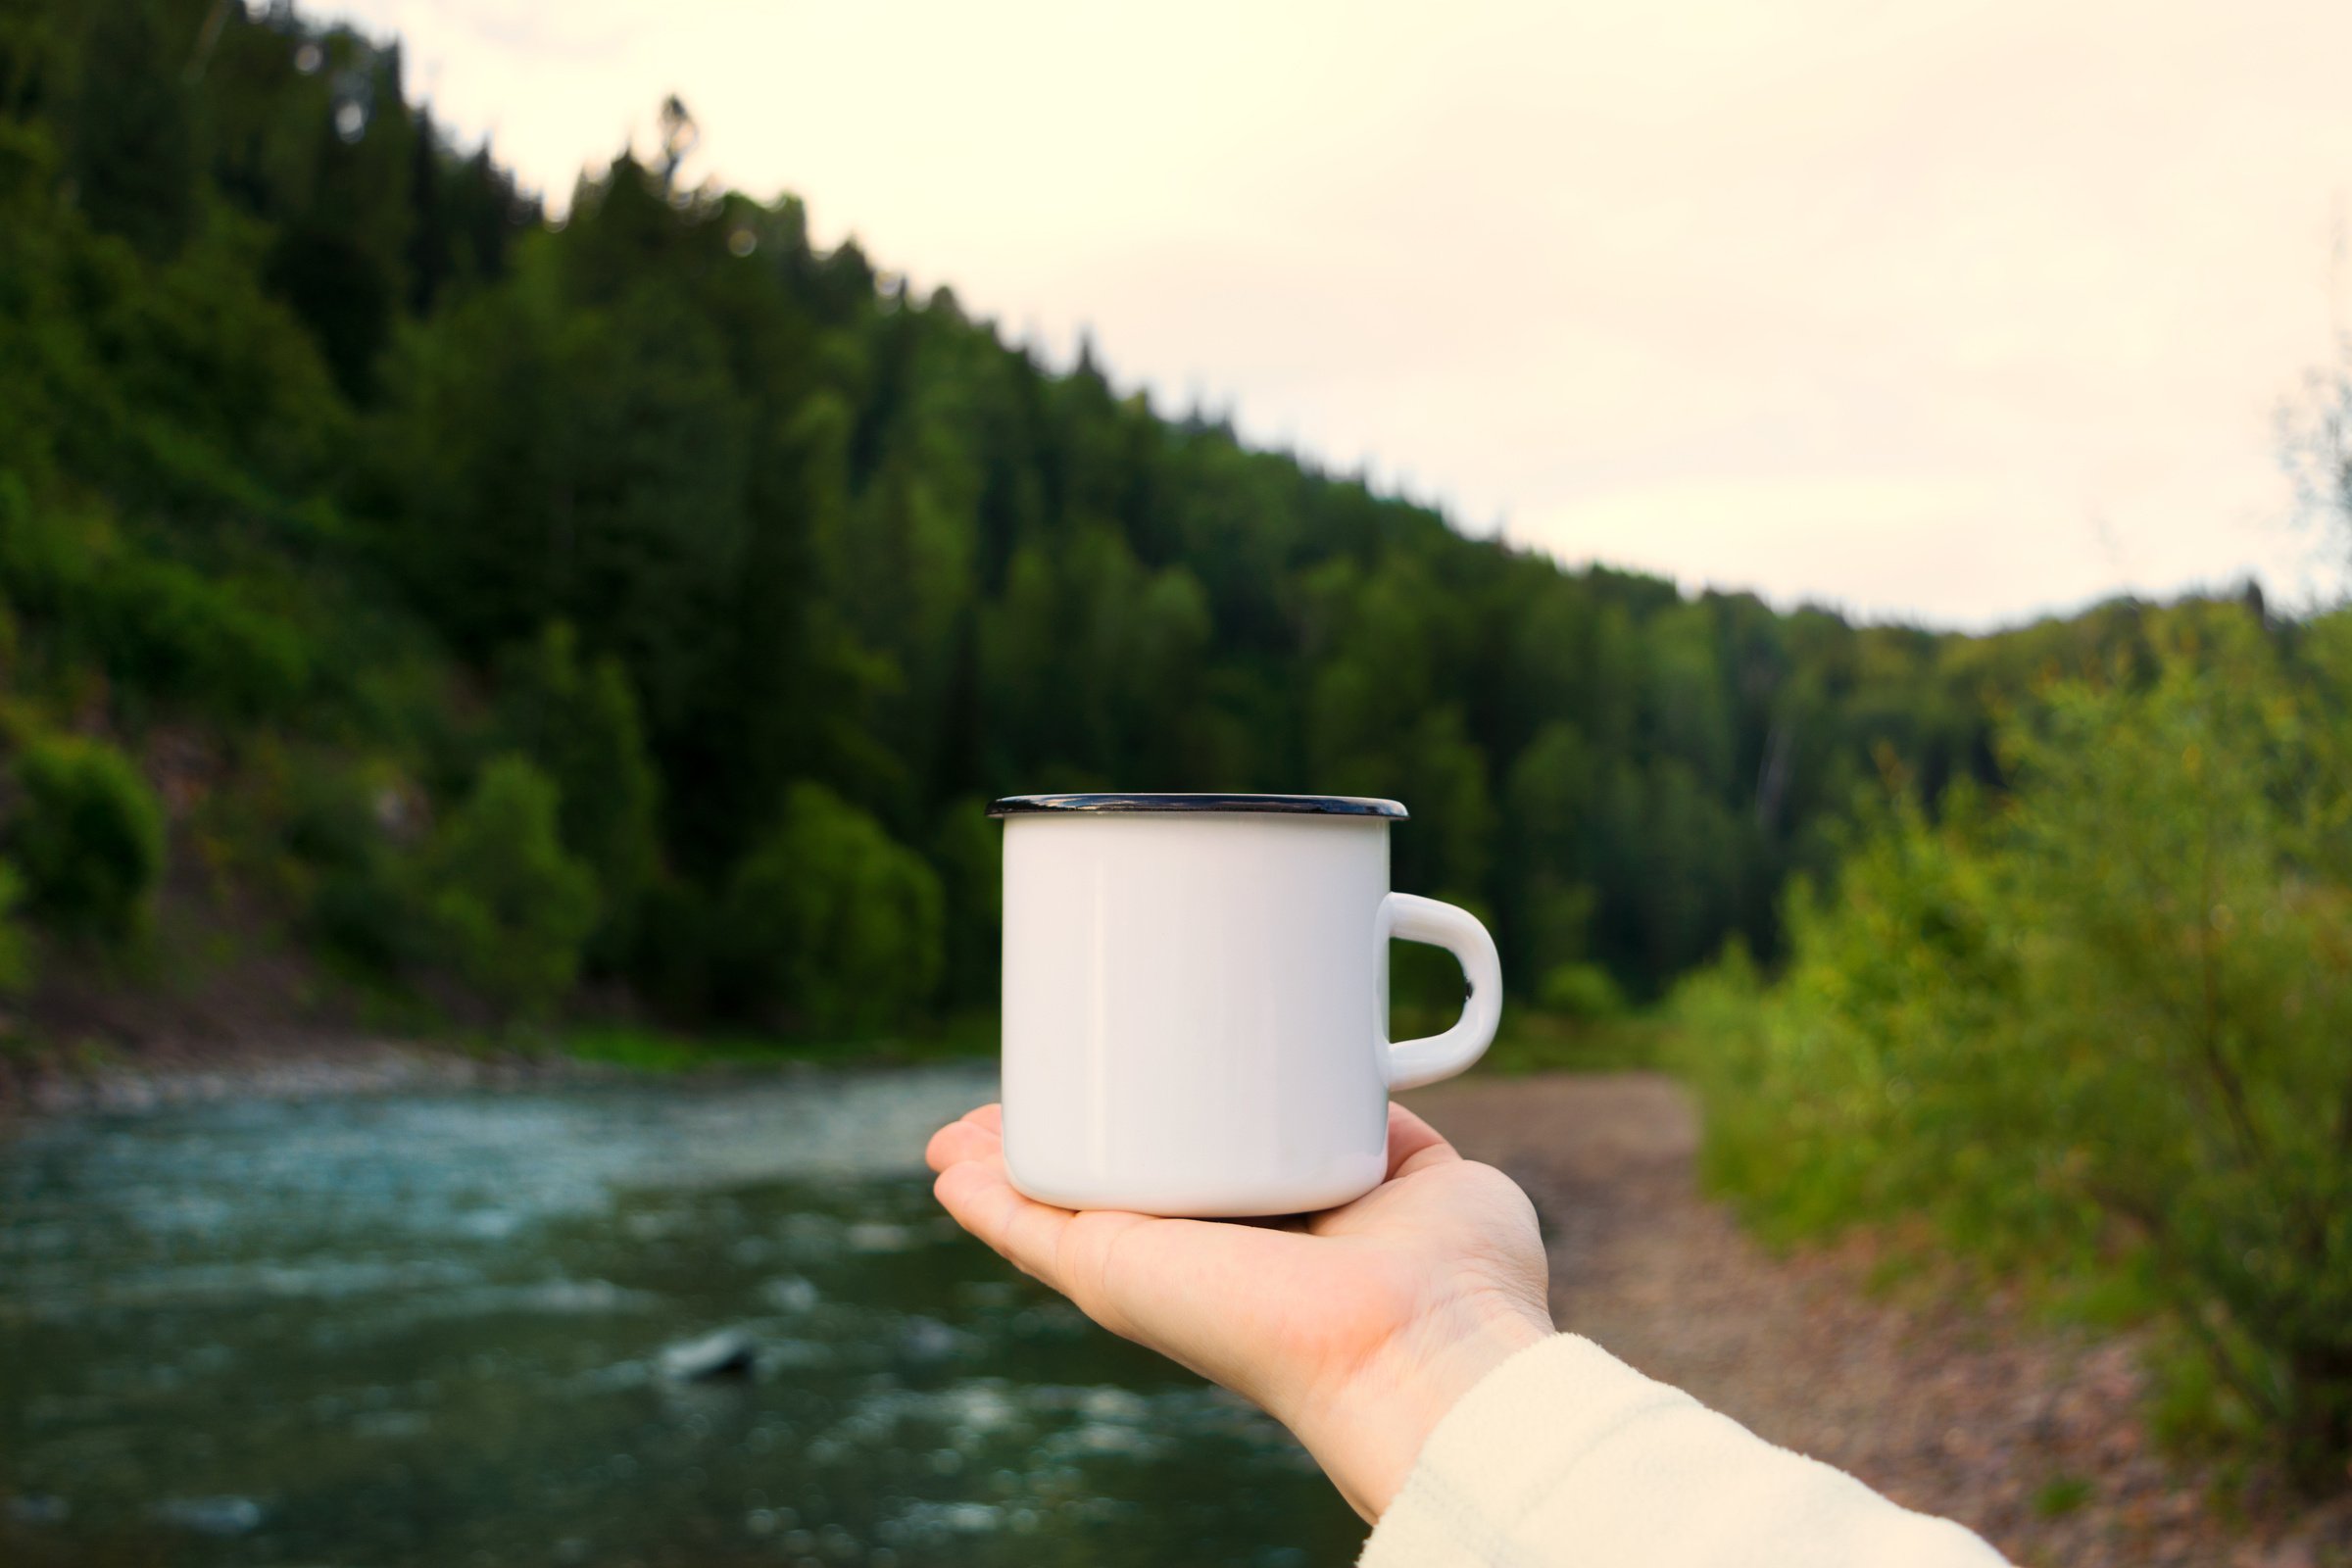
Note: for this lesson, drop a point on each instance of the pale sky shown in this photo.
(1952, 312)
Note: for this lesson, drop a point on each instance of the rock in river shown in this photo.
(722, 1354)
(211, 1516)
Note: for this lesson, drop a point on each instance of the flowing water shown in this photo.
(455, 1329)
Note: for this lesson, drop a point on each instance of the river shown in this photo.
(451, 1329)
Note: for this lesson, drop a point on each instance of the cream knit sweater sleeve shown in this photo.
(1566, 1455)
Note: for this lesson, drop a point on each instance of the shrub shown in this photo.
(163, 631)
(365, 920)
(509, 907)
(1582, 991)
(89, 836)
(331, 835)
(16, 944)
(831, 923)
(2103, 1022)
(164, 628)
(2177, 888)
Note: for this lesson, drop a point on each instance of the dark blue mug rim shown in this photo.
(1290, 804)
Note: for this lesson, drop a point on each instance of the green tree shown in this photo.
(832, 924)
(579, 724)
(134, 156)
(969, 851)
(1548, 802)
(89, 835)
(511, 908)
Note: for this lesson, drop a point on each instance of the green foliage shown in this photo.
(313, 437)
(581, 725)
(2109, 1012)
(89, 836)
(340, 822)
(16, 942)
(510, 907)
(968, 850)
(1582, 991)
(157, 628)
(132, 124)
(831, 924)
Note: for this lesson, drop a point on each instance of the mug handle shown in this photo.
(1410, 1064)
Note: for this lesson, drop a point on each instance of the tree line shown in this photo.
(509, 614)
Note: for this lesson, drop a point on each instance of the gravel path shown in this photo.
(2026, 1435)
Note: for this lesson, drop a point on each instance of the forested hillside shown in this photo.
(490, 614)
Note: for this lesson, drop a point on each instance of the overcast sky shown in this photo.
(1955, 311)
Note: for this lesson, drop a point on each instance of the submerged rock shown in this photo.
(211, 1516)
(789, 1293)
(725, 1353)
(924, 1340)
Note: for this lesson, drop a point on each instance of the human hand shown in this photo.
(1358, 1328)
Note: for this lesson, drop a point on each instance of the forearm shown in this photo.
(1565, 1454)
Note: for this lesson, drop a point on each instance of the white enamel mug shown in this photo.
(1197, 1000)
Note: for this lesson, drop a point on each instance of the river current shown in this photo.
(465, 1328)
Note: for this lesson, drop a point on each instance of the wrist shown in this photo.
(1368, 1432)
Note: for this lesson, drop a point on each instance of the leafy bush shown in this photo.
(89, 835)
(159, 629)
(511, 909)
(1583, 990)
(365, 919)
(2106, 1020)
(832, 923)
(362, 908)
(16, 945)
